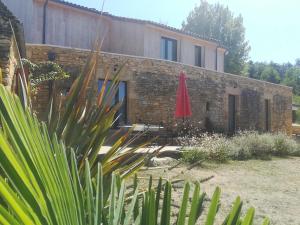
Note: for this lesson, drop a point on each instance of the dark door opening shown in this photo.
(121, 96)
(267, 115)
(231, 114)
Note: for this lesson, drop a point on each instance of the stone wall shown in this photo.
(8, 47)
(152, 88)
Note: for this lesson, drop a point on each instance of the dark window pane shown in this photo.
(174, 48)
(122, 97)
(168, 49)
(198, 56)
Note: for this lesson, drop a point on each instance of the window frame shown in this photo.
(164, 50)
(201, 56)
(117, 99)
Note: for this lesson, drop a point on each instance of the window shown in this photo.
(121, 96)
(168, 49)
(198, 56)
(207, 106)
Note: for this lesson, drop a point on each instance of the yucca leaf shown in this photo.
(235, 212)
(112, 203)
(157, 198)
(266, 221)
(151, 210)
(183, 207)
(99, 197)
(120, 205)
(166, 207)
(131, 209)
(213, 207)
(248, 220)
(6, 218)
(194, 205)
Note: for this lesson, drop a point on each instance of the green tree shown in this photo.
(218, 22)
(292, 79)
(271, 75)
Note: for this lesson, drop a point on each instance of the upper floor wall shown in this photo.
(56, 23)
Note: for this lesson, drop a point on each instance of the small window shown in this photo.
(168, 49)
(207, 106)
(198, 56)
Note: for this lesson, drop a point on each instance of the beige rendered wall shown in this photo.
(65, 26)
(30, 13)
(71, 27)
(221, 55)
(210, 57)
(185, 48)
(127, 38)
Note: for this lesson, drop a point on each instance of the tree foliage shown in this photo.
(284, 73)
(218, 22)
(292, 79)
(271, 75)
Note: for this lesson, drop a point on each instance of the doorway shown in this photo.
(231, 114)
(267, 115)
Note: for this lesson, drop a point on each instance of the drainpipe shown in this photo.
(44, 21)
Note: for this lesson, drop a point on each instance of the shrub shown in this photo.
(193, 155)
(284, 145)
(243, 146)
(211, 147)
(250, 144)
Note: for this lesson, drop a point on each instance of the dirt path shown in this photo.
(272, 187)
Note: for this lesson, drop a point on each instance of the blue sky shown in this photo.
(272, 26)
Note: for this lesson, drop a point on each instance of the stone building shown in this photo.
(220, 102)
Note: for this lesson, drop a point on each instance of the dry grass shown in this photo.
(272, 187)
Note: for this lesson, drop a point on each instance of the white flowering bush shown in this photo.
(243, 146)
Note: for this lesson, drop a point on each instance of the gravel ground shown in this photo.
(272, 187)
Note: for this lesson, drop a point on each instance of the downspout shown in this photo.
(44, 21)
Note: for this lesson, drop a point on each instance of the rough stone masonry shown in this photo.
(151, 92)
(8, 47)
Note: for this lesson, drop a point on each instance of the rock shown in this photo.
(165, 161)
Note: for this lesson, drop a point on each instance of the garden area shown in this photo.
(53, 172)
(73, 163)
(272, 187)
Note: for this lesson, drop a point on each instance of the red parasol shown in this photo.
(183, 105)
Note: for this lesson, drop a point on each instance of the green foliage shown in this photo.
(218, 22)
(192, 155)
(285, 74)
(44, 71)
(249, 145)
(297, 116)
(296, 99)
(292, 79)
(84, 125)
(271, 75)
(243, 146)
(207, 147)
